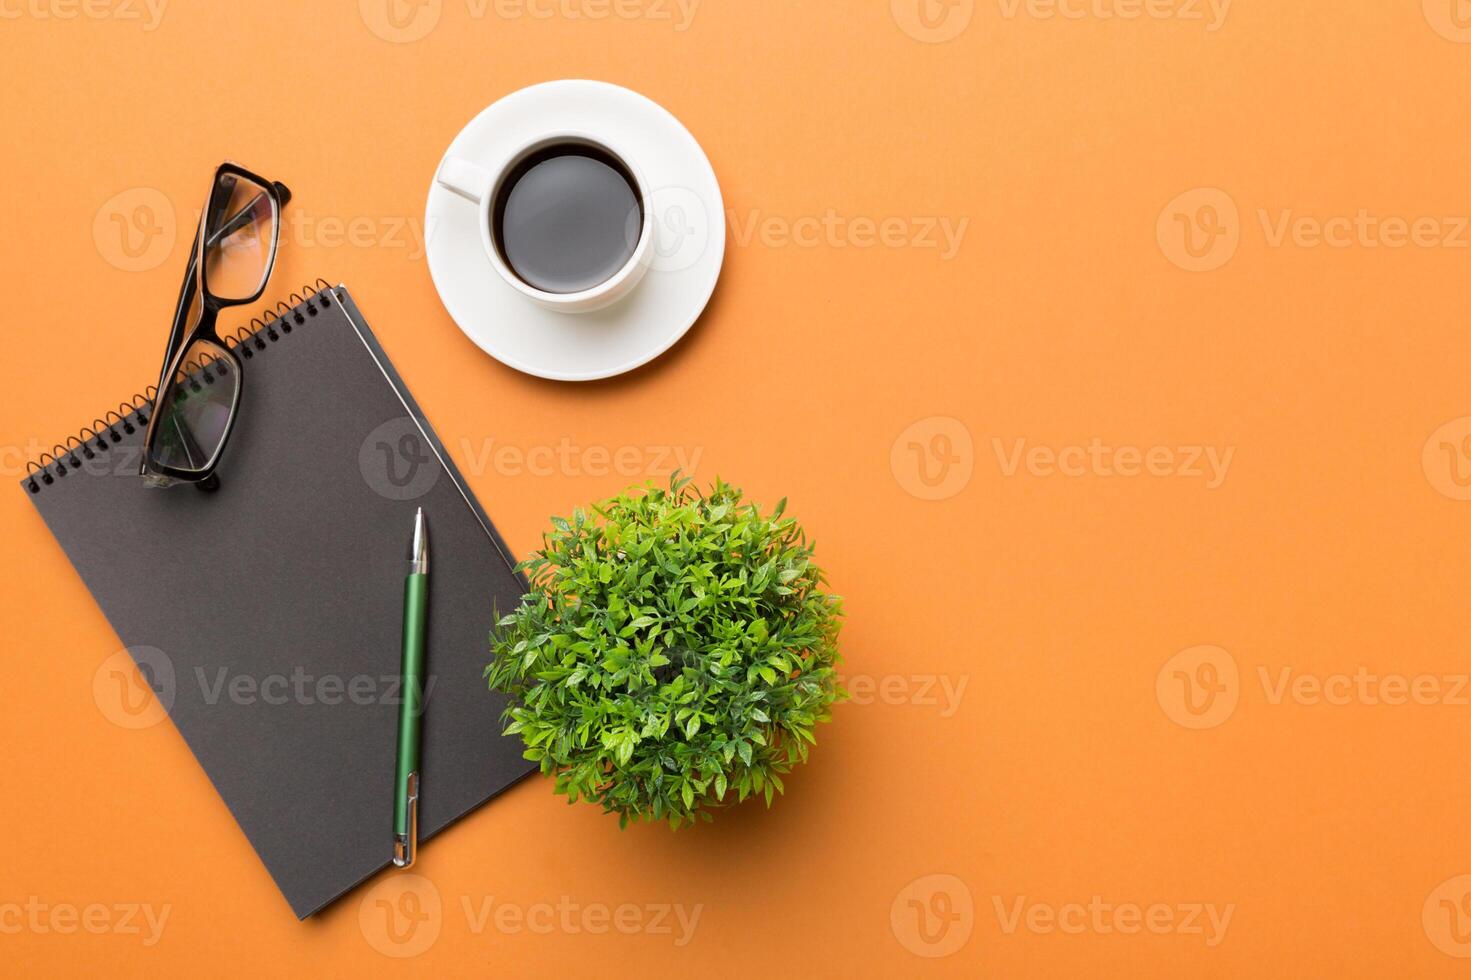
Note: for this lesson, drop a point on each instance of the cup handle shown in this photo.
(469, 180)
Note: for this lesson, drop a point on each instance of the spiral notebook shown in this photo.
(266, 616)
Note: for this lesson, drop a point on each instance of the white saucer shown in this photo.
(689, 241)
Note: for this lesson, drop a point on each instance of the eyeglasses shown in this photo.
(199, 386)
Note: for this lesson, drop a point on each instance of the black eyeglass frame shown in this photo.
(182, 336)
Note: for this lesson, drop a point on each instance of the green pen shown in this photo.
(411, 672)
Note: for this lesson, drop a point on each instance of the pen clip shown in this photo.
(405, 845)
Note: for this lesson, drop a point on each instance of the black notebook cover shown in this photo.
(291, 577)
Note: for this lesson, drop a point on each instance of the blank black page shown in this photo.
(291, 576)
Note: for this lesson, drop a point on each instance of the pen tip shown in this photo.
(419, 547)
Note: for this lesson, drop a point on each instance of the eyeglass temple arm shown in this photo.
(181, 310)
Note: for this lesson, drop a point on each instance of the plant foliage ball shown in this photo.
(675, 653)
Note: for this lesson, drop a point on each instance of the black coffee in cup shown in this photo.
(567, 217)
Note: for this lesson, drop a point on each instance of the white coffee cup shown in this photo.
(481, 183)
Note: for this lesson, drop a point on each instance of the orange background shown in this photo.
(1057, 600)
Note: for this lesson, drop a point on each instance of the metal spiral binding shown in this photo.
(129, 416)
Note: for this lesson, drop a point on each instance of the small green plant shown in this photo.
(675, 653)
